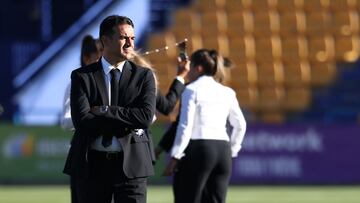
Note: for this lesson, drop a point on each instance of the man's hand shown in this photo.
(99, 110)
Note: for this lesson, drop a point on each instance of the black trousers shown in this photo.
(203, 174)
(73, 186)
(107, 180)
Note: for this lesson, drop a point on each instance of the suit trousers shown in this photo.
(107, 180)
(203, 173)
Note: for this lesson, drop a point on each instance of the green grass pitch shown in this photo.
(163, 194)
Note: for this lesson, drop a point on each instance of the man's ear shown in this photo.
(103, 40)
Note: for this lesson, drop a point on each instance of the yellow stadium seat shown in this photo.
(321, 48)
(291, 23)
(161, 40)
(209, 5)
(322, 73)
(237, 5)
(317, 22)
(296, 73)
(270, 74)
(239, 23)
(219, 43)
(297, 99)
(262, 5)
(267, 48)
(315, 5)
(213, 22)
(265, 23)
(293, 48)
(347, 48)
(288, 5)
(244, 74)
(185, 20)
(271, 98)
(342, 5)
(241, 48)
(247, 97)
(344, 23)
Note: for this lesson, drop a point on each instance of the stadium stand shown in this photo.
(289, 54)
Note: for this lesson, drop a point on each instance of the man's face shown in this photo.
(121, 44)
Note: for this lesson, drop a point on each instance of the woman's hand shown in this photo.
(171, 167)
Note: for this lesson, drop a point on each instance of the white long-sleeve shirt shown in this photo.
(65, 119)
(206, 106)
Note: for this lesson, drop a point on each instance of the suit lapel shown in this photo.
(100, 81)
(124, 80)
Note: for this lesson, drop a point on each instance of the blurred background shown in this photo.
(296, 75)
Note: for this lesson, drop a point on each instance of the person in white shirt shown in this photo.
(202, 150)
(91, 50)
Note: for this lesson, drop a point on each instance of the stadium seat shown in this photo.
(271, 98)
(241, 48)
(344, 23)
(270, 74)
(219, 43)
(267, 48)
(342, 5)
(321, 48)
(347, 48)
(161, 40)
(316, 22)
(265, 23)
(244, 74)
(185, 20)
(247, 97)
(288, 5)
(194, 40)
(209, 5)
(239, 23)
(262, 5)
(291, 23)
(296, 73)
(322, 73)
(293, 48)
(315, 5)
(237, 5)
(165, 72)
(213, 23)
(297, 99)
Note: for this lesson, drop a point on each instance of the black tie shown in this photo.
(115, 76)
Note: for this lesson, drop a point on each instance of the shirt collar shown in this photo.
(107, 66)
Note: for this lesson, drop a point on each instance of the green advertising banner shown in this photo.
(33, 154)
(36, 154)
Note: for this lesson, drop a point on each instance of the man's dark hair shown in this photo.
(107, 25)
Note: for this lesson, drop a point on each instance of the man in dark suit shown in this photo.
(112, 105)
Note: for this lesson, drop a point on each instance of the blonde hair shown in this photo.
(140, 60)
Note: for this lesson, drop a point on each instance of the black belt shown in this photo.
(106, 155)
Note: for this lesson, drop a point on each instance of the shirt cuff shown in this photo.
(180, 79)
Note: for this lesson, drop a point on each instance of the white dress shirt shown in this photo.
(115, 145)
(206, 106)
(65, 120)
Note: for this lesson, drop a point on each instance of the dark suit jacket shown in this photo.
(165, 104)
(135, 110)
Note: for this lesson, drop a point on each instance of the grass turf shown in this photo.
(236, 194)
